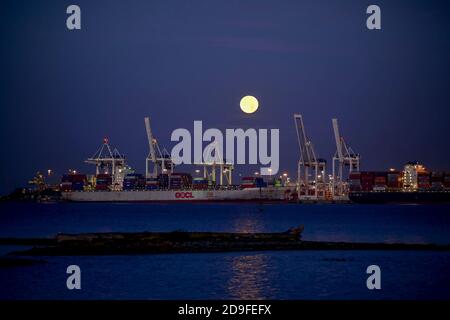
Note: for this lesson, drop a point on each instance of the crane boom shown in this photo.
(344, 156)
(152, 152)
(303, 142)
(337, 137)
(310, 170)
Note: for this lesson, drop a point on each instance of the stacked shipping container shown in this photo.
(200, 184)
(134, 181)
(103, 182)
(447, 180)
(367, 179)
(75, 182)
(256, 182)
(380, 181)
(180, 181)
(392, 181)
(163, 181)
(354, 181)
(437, 180)
(151, 184)
(423, 180)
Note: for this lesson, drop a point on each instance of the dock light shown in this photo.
(74, 171)
(285, 174)
(49, 172)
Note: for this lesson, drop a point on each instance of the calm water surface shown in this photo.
(244, 275)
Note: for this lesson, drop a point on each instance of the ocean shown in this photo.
(306, 275)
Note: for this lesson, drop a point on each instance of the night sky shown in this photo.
(178, 61)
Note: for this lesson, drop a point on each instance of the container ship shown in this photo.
(179, 187)
(256, 194)
(115, 181)
(415, 184)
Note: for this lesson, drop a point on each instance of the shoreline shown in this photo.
(119, 243)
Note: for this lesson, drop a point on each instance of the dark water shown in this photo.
(250, 275)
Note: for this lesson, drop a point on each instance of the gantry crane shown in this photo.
(162, 161)
(106, 159)
(110, 161)
(344, 156)
(311, 170)
(210, 163)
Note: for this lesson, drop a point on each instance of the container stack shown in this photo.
(367, 179)
(163, 180)
(447, 180)
(355, 181)
(73, 182)
(133, 181)
(380, 181)
(394, 180)
(151, 184)
(187, 180)
(260, 183)
(200, 184)
(248, 182)
(66, 183)
(423, 180)
(437, 180)
(103, 182)
(180, 181)
(175, 182)
(78, 182)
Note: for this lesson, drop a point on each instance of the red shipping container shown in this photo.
(355, 176)
(78, 177)
(66, 186)
(380, 181)
(101, 187)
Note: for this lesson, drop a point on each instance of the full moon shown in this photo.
(249, 104)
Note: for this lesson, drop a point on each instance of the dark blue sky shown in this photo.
(178, 61)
